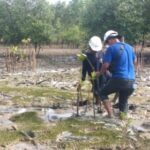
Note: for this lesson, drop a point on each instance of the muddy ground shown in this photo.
(37, 111)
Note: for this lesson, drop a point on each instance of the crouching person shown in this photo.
(121, 57)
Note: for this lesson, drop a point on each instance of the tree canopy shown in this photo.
(72, 23)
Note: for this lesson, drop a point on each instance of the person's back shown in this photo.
(92, 63)
(122, 57)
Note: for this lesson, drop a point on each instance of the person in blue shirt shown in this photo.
(93, 63)
(119, 59)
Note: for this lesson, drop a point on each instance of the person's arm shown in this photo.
(104, 68)
(106, 62)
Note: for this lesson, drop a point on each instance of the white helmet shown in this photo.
(110, 34)
(95, 43)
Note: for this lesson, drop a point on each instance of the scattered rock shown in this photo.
(51, 115)
(110, 126)
(14, 127)
(132, 107)
(146, 125)
(13, 110)
(133, 138)
(143, 79)
(68, 136)
(5, 96)
(28, 146)
(131, 132)
(139, 129)
(145, 136)
(21, 111)
(7, 124)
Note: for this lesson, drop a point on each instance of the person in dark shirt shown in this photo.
(93, 63)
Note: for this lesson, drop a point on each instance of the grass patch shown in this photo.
(27, 118)
(28, 121)
(26, 95)
(37, 91)
(20, 101)
(7, 137)
(101, 137)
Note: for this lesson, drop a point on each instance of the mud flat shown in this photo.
(37, 111)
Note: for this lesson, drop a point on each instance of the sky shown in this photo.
(55, 1)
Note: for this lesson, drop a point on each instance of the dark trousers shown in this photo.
(123, 86)
(98, 84)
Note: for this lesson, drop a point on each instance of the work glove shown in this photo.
(93, 75)
(81, 56)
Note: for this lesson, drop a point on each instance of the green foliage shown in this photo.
(146, 15)
(99, 16)
(67, 23)
(22, 19)
(14, 49)
(18, 53)
(73, 23)
(7, 137)
(28, 121)
(26, 41)
(51, 94)
(101, 137)
(27, 117)
(124, 16)
(73, 35)
(130, 19)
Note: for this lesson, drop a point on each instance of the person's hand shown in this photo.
(93, 75)
(98, 74)
(81, 56)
